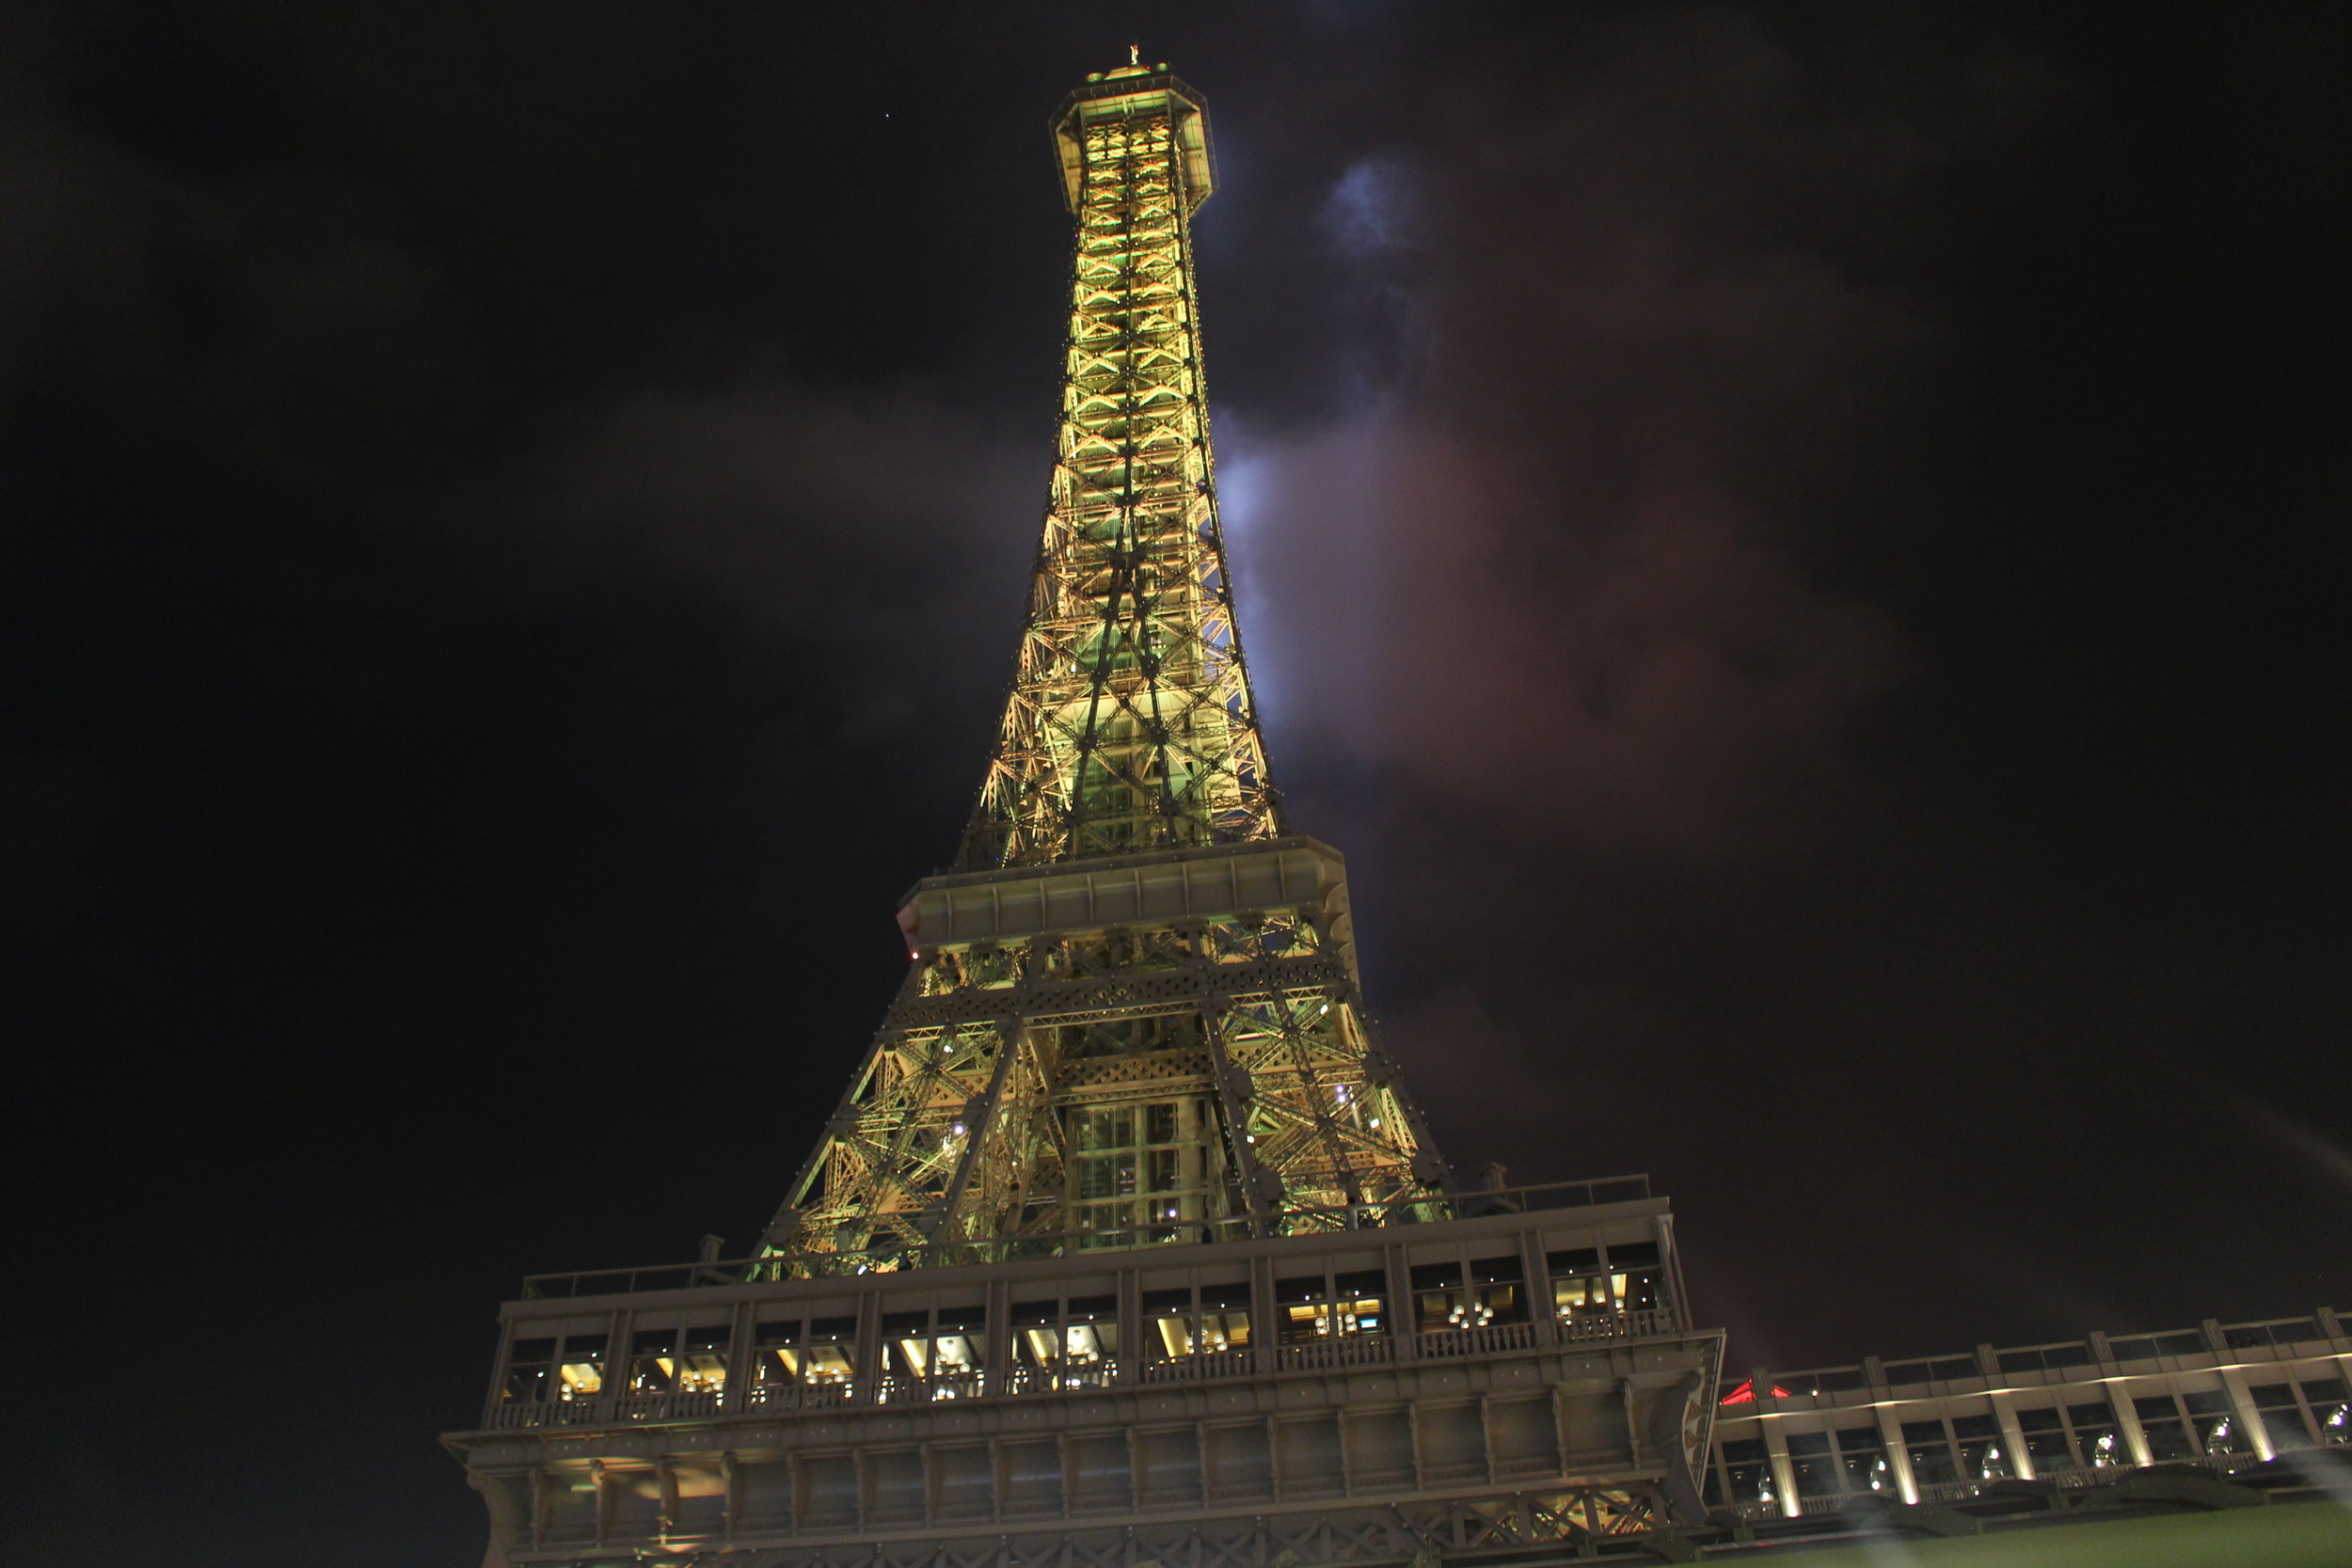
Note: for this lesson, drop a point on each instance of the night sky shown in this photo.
(1800, 550)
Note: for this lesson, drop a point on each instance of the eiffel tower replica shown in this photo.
(1126, 1244)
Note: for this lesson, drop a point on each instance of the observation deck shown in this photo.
(1517, 1365)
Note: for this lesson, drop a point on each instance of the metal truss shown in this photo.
(1156, 1081)
(1129, 724)
(1008, 1107)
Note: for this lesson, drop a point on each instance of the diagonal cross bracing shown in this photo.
(1130, 723)
(1132, 1017)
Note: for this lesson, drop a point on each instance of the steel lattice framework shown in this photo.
(1134, 1015)
(1129, 724)
(974, 1335)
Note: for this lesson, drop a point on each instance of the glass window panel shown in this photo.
(1746, 1470)
(1862, 1452)
(2332, 1408)
(530, 1369)
(579, 1371)
(829, 1362)
(2097, 1438)
(2220, 1433)
(1633, 1254)
(1300, 1323)
(2286, 1429)
(1106, 1176)
(2160, 1423)
(653, 1361)
(1815, 1468)
(701, 1372)
(1583, 1296)
(2168, 1440)
(1165, 1171)
(1291, 1292)
(1575, 1260)
(1984, 1453)
(1228, 1330)
(1498, 1304)
(2050, 1452)
(775, 1351)
(1161, 1124)
(1837, 1380)
(1932, 1460)
(831, 1352)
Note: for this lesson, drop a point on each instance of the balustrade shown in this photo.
(1451, 1342)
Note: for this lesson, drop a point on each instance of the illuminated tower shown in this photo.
(1132, 1015)
(1124, 1245)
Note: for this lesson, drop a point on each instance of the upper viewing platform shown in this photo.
(1134, 91)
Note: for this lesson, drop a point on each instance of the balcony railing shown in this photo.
(1421, 1209)
(2043, 1366)
(1479, 1341)
(1345, 1349)
(1638, 1322)
(1195, 1369)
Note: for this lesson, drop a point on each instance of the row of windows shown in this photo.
(2186, 1425)
(1066, 1334)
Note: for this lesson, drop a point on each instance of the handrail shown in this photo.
(2237, 1338)
(1422, 1209)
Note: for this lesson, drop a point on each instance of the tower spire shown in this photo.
(1130, 723)
(1132, 1017)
